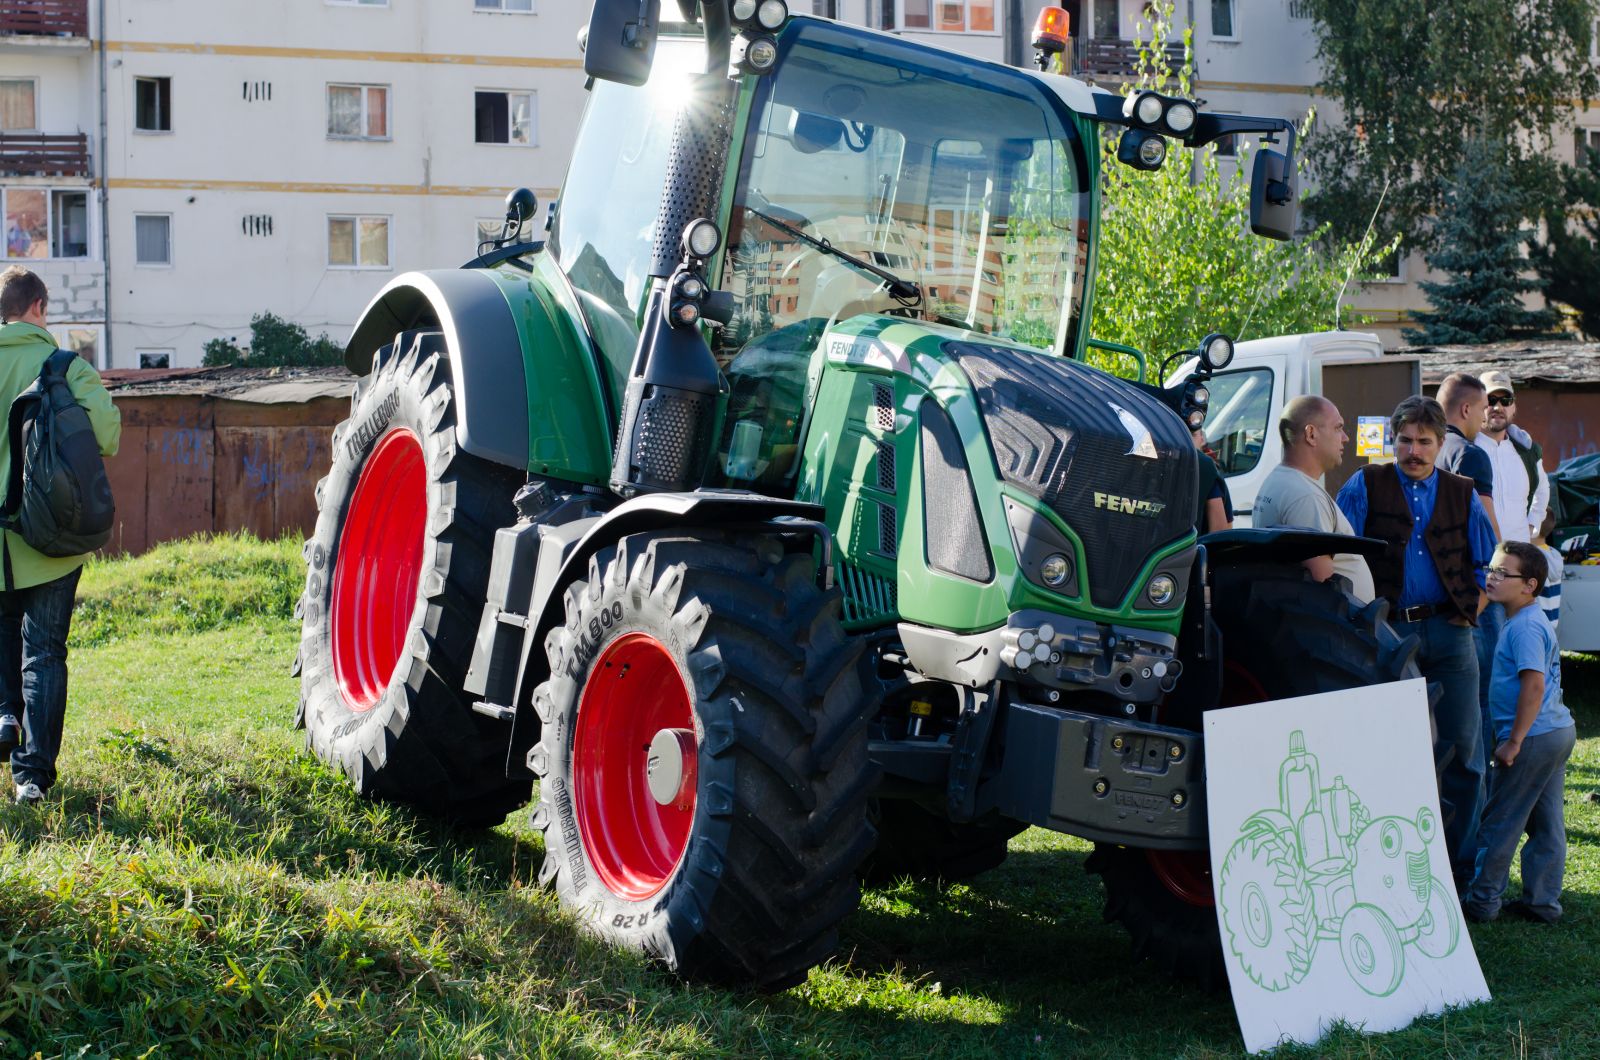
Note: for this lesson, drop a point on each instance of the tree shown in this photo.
(1569, 258)
(1417, 78)
(274, 342)
(1480, 237)
(1177, 259)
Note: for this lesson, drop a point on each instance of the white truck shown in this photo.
(1351, 370)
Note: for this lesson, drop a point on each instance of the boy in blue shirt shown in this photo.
(1534, 736)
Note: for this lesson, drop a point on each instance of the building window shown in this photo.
(505, 118)
(152, 104)
(155, 358)
(1107, 21)
(358, 112)
(1586, 140)
(82, 340)
(1222, 19)
(358, 3)
(1299, 9)
(358, 242)
(938, 16)
(825, 8)
(525, 6)
(19, 104)
(152, 238)
(45, 223)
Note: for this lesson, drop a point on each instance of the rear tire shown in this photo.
(397, 571)
(749, 699)
(1282, 637)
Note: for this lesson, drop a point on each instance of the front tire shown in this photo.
(1283, 636)
(712, 813)
(397, 572)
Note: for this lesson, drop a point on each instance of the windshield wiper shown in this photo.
(903, 291)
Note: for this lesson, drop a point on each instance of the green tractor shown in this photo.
(768, 515)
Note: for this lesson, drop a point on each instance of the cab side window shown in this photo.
(1236, 425)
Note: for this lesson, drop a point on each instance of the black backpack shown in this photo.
(58, 496)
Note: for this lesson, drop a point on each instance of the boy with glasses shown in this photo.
(1534, 735)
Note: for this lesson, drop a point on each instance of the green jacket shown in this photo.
(23, 351)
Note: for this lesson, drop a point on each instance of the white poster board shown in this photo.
(1332, 881)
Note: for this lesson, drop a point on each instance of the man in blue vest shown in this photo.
(1433, 575)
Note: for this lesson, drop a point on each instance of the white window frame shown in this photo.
(500, 8)
(1591, 138)
(171, 116)
(933, 19)
(152, 264)
(1399, 277)
(50, 193)
(533, 117)
(356, 219)
(140, 352)
(1233, 7)
(366, 112)
(61, 334)
(35, 127)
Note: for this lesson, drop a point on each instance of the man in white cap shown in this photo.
(1520, 487)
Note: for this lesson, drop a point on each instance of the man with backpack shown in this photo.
(38, 589)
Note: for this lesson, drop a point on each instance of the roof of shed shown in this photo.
(270, 386)
(1525, 361)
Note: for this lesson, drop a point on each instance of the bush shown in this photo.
(274, 342)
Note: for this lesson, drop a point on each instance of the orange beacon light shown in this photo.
(1050, 34)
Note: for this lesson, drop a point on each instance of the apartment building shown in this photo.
(173, 167)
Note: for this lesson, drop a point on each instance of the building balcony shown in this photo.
(1109, 57)
(43, 21)
(44, 155)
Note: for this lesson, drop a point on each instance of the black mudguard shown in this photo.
(491, 392)
(719, 509)
(1235, 548)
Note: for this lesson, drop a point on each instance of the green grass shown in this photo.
(197, 885)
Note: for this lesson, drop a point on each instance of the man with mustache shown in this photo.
(1433, 575)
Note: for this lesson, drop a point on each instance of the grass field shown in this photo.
(196, 885)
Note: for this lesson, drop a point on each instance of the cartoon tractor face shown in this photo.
(1320, 867)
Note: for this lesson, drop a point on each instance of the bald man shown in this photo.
(1292, 495)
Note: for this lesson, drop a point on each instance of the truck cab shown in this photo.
(1348, 368)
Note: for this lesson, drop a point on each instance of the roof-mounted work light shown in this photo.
(1162, 114)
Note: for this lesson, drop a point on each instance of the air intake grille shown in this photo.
(882, 407)
(868, 599)
(886, 466)
(886, 530)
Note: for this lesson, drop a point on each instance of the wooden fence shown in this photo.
(44, 154)
(66, 18)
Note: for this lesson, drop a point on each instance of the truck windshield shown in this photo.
(959, 186)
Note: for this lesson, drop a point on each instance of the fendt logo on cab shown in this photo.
(1128, 506)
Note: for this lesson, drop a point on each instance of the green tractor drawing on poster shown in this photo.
(1321, 867)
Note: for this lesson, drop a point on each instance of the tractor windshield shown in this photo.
(965, 184)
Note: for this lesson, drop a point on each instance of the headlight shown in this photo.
(1197, 419)
(772, 13)
(701, 238)
(1180, 117)
(1201, 396)
(1055, 570)
(1147, 108)
(1153, 151)
(1216, 352)
(761, 54)
(1162, 590)
(744, 10)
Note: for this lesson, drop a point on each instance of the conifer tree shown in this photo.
(1479, 238)
(1569, 258)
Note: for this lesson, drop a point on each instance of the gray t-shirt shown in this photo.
(1292, 498)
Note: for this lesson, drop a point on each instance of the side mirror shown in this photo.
(621, 41)
(1272, 195)
(811, 133)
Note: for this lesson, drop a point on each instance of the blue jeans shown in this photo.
(1448, 659)
(33, 672)
(1526, 797)
(1487, 637)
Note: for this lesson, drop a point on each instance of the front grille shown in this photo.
(1057, 437)
(882, 407)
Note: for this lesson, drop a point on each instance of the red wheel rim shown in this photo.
(634, 692)
(1187, 873)
(377, 568)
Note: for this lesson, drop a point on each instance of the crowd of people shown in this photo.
(1462, 510)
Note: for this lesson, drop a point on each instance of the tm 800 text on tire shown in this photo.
(397, 570)
(703, 761)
